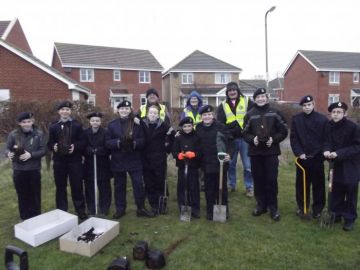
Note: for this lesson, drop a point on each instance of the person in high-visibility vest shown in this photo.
(193, 105)
(152, 98)
(231, 112)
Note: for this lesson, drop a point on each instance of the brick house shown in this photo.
(11, 32)
(276, 87)
(201, 72)
(112, 74)
(24, 77)
(328, 76)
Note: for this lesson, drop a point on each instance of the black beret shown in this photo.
(24, 115)
(63, 104)
(94, 114)
(340, 105)
(186, 120)
(151, 91)
(205, 109)
(259, 91)
(124, 103)
(306, 99)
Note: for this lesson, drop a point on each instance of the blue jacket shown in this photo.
(189, 107)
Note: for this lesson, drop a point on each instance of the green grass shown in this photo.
(244, 242)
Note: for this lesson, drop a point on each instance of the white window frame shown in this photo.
(222, 78)
(75, 95)
(92, 99)
(116, 75)
(334, 77)
(356, 77)
(144, 76)
(205, 101)
(87, 75)
(187, 78)
(332, 98)
(143, 99)
(4, 95)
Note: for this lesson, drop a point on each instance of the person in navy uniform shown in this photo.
(212, 140)
(158, 141)
(306, 139)
(264, 129)
(95, 146)
(342, 146)
(186, 148)
(67, 142)
(125, 139)
(25, 147)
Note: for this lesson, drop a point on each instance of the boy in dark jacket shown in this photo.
(67, 141)
(186, 150)
(96, 149)
(212, 141)
(264, 129)
(306, 139)
(25, 147)
(342, 146)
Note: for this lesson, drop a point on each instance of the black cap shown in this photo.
(205, 109)
(232, 86)
(94, 114)
(186, 120)
(24, 115)
(151, 91)
(306, 99)
(124, 103)
(259, 91)
(340, 105)
(63, 104)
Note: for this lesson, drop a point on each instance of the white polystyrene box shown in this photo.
(108, 228)
(45, 227)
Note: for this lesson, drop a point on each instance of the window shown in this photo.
(222, 78)
(117, 75)
(142, 99)
(333, 98)
(92, 99)
(355, 98)
(187, 78)
(4, 94)
(75, 95)
(334, 77)
(205, 100)
(356, 77)
(144, 76)
(86, 75)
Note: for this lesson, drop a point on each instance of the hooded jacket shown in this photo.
(194, 112)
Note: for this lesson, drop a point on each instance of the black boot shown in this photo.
(142, 212)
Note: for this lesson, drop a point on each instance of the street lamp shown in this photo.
(266, 46)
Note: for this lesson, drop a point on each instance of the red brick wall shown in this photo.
(18, 38)
(28, 82)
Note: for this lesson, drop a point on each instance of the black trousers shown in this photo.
(120, 182)
(192, 187)
(315, 178)
(265, 172)
(28, 189)
(73, 171)
(154, 180)
(212, 191)
(104, 195)
(343, 200)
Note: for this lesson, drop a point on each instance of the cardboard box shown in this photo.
(109, 229)
(45, 227)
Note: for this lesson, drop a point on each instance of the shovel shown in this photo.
(185, 210)
(10, 264)
(95, 184)
(162, 208)
(219, 211)
(327, 219)
(306, 212)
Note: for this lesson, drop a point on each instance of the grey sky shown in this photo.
(232, 30)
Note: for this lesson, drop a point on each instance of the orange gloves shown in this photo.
(189, 154)
(181, 156)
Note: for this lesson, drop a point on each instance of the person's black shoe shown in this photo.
(142, 212)
(316, 215)
(348, 225)
(155, 211)
(82, 215)
(275, 216)
(119, 214)
(195, 215)
(258, 212)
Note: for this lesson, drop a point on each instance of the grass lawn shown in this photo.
(244, 242)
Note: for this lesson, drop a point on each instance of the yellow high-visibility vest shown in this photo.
(162, 113)
(190, 114)
(240, 111)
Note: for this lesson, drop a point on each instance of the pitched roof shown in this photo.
(3, 26)
(199, 61)
(72, 84)
(75, 55)
(277, 83)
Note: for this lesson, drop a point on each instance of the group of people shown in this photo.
(138, 144)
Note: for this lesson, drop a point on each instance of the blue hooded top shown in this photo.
(188, 106)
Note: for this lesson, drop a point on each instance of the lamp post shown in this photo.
(266, 46)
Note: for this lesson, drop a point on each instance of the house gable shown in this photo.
(14, 34)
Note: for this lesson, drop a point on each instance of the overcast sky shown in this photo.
(231, 30)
